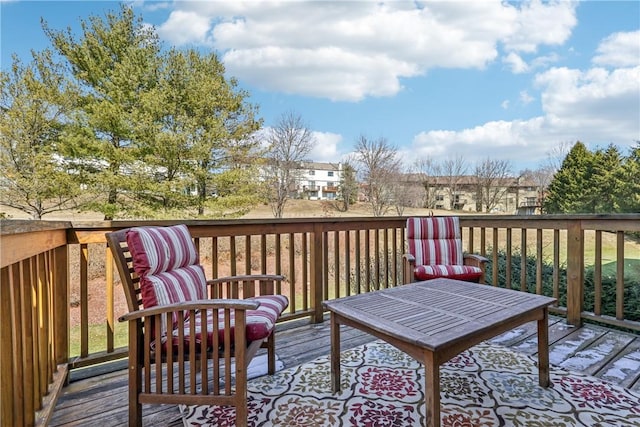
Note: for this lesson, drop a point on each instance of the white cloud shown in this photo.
(525, 98)
(326, 147)
(619, 50)
(351, 50)
(515, 63)
(596, 106)
(184, 27)
(151, 6)
(593, 100)
(505, 104)
(502, 140)
(548, 23)
(543, 61)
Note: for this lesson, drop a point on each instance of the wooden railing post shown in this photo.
(575, 272)
(316, 254)
(61, 304)
(8, 416)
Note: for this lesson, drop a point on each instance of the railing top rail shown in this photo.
(623, 222)
(20, 240)
(17, 226)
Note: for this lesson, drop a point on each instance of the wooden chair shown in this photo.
(190, 340)
(435, 250)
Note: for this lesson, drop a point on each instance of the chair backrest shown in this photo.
(435, 240)
(117, 242)
(158, 265)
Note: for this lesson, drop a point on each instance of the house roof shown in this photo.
(469, 180)
(320, 166)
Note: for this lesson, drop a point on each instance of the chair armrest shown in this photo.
(247, 277)
(408, 268)
(204, 304)
(475, 260)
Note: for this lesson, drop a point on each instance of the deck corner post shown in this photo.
(575, 272)
(61, 304)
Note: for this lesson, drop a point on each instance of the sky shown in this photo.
(513, 81)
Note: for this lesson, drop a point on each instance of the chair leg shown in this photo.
(136, 362)
(242, 414)
(271, 354)
(135, 387)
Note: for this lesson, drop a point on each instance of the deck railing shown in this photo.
(59, 297)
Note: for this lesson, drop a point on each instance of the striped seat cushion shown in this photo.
(459, 272)
(260, 322)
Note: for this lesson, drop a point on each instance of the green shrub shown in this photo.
(608, 301)
(531, 274)
(631, 300)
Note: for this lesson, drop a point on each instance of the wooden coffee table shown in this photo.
(435, 320)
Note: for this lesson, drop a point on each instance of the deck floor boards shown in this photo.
(102, 400)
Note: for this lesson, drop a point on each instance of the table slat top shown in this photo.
(437, 312)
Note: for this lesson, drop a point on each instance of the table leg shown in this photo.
(432, 390)
(335, 354)
(543, 349)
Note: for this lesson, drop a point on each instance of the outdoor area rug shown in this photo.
(486, 385)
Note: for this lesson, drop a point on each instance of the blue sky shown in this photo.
(438, 79)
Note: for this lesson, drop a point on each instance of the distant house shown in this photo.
(513, 195)
(318, 181)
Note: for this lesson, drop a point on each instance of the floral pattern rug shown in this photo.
(486, 385)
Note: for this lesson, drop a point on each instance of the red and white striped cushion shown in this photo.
(158, 249)
(459, 272)
(435, 240)
(166, 260)
(169, 287)
(260, 322)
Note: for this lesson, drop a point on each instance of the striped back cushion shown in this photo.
(166, 260)
(435, 240)
(158, 249)
(168, 287)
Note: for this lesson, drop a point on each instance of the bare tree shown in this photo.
(290, 141)
(453, 171)
(404, 190)
(493, 178)
(428, 171)
(541, 177)
(378, 162)
(557, 154)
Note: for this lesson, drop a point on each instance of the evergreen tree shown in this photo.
(115, 63)
(348, 187)
(156, 134)
(198, 140)
(629, 196)
(607, 181)
(569, 191)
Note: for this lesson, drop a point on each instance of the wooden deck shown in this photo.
(611, 355)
